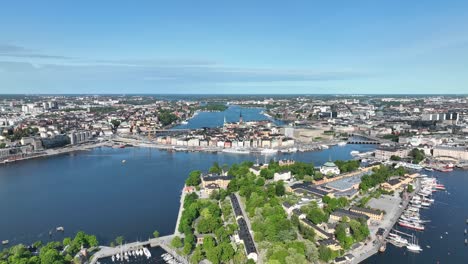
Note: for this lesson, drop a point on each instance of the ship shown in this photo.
(413, 245)
(268, 151)
(236, 151)
(411, 225)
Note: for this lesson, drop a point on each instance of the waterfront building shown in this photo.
(218, 180)
(459, 153)
(329, 168)
(385, 153)
(371, 213)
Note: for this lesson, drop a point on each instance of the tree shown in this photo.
(417, 155)
(410, 188)
(197, 255)
(395, 158)
(215, 168)
(176, 242)
(115, 123)
(119, 240)
(227, 252)
(267, 174)
(193, 178)
(156, 233)
(279, 188)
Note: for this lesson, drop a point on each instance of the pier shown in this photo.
(162, 242)
(366, 251)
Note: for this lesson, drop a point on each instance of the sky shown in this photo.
(229, 47)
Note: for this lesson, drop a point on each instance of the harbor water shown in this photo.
(443, 239)
(95, 192)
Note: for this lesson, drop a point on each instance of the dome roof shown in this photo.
(329, 164)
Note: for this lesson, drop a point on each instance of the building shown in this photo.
(385, 153)
(329, 168)
(393, 185)
(282, 175)
(459, 153)
(338, 214)
(208, 180)
(371, 213)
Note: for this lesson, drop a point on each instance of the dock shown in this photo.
(373, 247)
(162, 242)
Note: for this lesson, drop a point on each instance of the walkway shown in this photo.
(181, 209)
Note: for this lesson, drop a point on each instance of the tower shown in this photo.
(240, 117)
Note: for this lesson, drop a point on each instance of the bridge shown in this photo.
(365, 139)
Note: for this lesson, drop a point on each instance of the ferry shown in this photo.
(236, 151)
(268, 151)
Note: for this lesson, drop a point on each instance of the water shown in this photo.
(448, 214)
(232, 114)
(95, 192)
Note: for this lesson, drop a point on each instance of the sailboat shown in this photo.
(413, 245)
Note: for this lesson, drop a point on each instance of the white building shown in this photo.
(329, 168)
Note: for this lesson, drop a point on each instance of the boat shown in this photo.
(413, 246)
(123, 161)
(411, 225)
(5, 242)
(428, 168)
(354, 153)
(236, 151)
(440, 187)
(185, 122)
(398, 240)
(342, 143)
(60, 228)
(113, 258)
(268, 151)
(147, 253)
(324, 147)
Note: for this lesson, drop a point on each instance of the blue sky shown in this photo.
(309, 47)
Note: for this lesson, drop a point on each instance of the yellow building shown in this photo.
(371, 213)
(210, 180)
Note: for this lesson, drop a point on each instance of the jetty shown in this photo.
(162, 242)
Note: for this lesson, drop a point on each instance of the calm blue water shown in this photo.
(448, 214)
(94, 192)
(232, 114)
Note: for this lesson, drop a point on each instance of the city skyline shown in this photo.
(390, 47)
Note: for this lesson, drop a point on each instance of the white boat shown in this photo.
(413, 245)
(342, 143)
(236, 151)
(113, 258)
(397, 239)
(324, 147)
(185, 122)
(147, 253)
(354, 153)
(268, 151)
